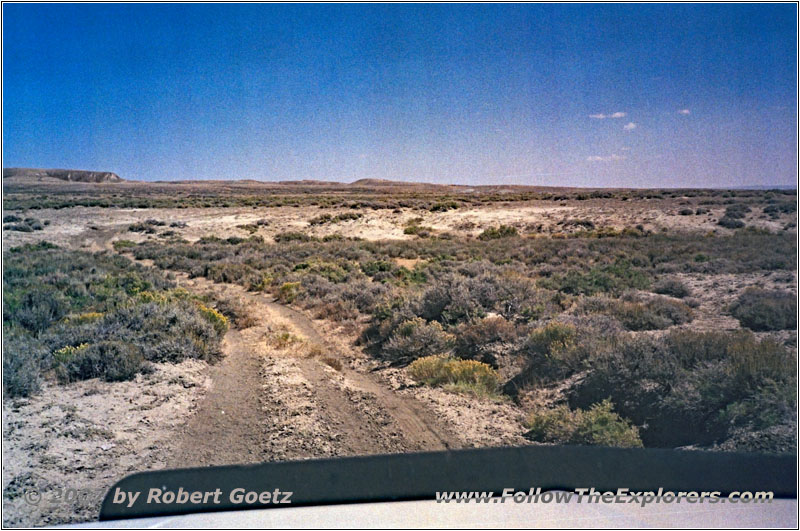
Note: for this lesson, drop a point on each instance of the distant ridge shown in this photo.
(382, 182)
(78, 176)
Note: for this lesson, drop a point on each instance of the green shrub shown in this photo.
(552, 338)
(285, 237)
(753, 362)
(374, 267)
(474, 340)
(456, 374)
(418, 230)
(22, 360)
(730, 223)
(26, 225)
(599, 425)
(320, 220)
(775, 210)
(39, 308)
(737, 211)
(123, 244)
(550, 352)
(494, 233)
(655, 314)
(289, 291)
(611, 278)
(328, 218)
(444, 206)
(217, 320)
(328, 270)
(672, 287)
(679, 386)
(94, 315)
(453, 299)
(416, 338)
(763, 310)
(148, 226)
(110, 360)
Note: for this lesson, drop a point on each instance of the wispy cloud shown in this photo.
(630, 126)
(610, 158)
(684, 111)
(601, 116)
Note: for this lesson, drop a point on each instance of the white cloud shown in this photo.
(601, 116)
(630, 126)
(611, 158)
(684, 111)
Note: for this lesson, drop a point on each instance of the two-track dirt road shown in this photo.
(267, 403)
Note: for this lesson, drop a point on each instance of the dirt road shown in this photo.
(267, 403)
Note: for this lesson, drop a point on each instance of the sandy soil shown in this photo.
(84, 227)
(87, 435)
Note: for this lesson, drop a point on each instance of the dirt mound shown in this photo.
(81, 176)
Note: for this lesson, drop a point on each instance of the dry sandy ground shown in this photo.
(77, 440)
(86, 226)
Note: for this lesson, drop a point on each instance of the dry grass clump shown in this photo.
(282, 339)
(467, 376)
(251, 228)
(289, 291)
(313, 350)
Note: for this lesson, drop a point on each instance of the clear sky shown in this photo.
(573, 95)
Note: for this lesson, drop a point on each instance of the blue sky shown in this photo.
(569, 95)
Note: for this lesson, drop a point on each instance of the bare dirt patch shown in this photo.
(88, 435)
